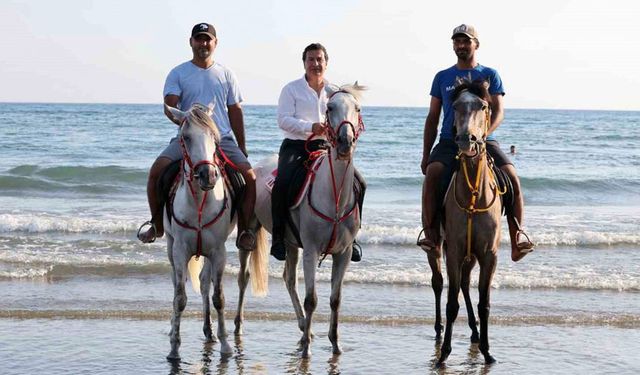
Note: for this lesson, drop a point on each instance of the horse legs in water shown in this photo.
(340, 263)
(467, 267)
(487, 269)
(217, 269)
(454, 271)
(243, 281)
(435, 262)
(290, 277)
(205, 287)
(310, 260)
(179, 276)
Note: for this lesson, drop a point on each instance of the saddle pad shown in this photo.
(299, 184)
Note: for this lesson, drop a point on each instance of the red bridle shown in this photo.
(218, 166)
(332, 138)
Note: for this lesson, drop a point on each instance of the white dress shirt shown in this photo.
(299, 107)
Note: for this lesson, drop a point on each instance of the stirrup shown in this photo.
(252, 244)
(155, 231)
(524, 246)
(427, 245)
(356, 251)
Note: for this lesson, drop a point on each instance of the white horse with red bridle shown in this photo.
(198, 223)
(326, 215)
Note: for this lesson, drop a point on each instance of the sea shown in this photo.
(80, 294)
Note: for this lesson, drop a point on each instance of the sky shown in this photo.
(551, 54)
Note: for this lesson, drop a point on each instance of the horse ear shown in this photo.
(359, 87)
(176, 113)
(330, 89)
(459, 81)
(210, 108)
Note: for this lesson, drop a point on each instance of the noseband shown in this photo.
(332, 134)
(192, 167)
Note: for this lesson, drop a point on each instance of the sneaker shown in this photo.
(278, 250)
(356, 252)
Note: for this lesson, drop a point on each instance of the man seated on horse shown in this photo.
(204, 81)
(301, 116)
(440, 163)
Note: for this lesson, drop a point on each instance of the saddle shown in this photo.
(300, 184)
(169, 179)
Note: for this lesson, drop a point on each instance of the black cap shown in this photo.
(203, 28)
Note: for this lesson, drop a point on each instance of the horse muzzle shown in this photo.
(207, 176)
(468, 143)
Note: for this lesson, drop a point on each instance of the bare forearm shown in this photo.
(430, 135)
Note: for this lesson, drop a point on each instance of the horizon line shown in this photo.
(374, 106)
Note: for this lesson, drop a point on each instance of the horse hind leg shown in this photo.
(243, 281)
(205, 288)
(290, 276)
(467, 267)
(340, 264)
(435, 262)
(218, 263)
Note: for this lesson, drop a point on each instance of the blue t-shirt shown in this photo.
(443, 86)
(215, 87)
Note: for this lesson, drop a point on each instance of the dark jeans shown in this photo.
(291, 157)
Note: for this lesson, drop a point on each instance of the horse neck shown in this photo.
(486, 187)
(190, 193)
(342, 177)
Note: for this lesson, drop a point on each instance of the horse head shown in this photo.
(199, 138)
(472, 115)
(344, 123)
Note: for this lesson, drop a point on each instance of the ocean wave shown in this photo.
(549, 233)
(627, 321)
(72, 179)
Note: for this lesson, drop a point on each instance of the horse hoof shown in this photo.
(225, 348)
(488, 359)
(173, 356)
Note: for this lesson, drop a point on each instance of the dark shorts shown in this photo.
(446, 150)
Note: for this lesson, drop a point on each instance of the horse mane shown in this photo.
(478, 87)
(354, 89)
(200, 115)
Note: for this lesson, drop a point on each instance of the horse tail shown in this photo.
(195, 267)
(259, 264)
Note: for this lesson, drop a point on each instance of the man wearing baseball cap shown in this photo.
(202, 80)
(439, 162)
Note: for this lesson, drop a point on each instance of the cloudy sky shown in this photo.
(551, 54)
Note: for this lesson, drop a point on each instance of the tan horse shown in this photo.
(473, 210)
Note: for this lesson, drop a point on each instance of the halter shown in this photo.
(218, 166)
(474, 189)
(332, 138)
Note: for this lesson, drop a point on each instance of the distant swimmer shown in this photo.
(512, 150)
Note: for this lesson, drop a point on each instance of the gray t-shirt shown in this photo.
(216, 86)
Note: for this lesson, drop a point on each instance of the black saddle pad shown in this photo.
(297, 181)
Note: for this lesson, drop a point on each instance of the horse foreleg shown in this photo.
(454, 269)
(243, 281)
(179, 304)
(435, 262)
(205, 288)
(310, 299)
(340, 264)
(218, 263)
(290, 276)
(484, 305)
(467, 267)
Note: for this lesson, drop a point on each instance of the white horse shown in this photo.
(199, 223)
(327, 216)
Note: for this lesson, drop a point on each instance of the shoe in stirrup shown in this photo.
(278, 249)
(356, 252)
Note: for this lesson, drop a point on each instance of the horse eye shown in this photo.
(357, 109)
